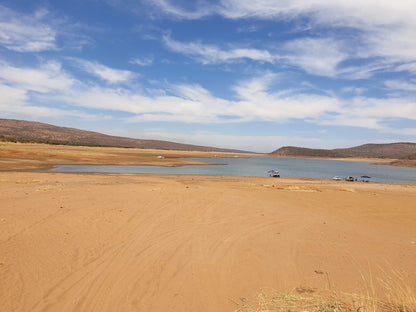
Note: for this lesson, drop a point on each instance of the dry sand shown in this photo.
(112, 242)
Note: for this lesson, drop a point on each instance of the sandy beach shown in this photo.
(114, 242)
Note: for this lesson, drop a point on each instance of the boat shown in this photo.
(336, 178)
(273, 173)
(365, 178)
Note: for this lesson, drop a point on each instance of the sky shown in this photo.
(242, 74)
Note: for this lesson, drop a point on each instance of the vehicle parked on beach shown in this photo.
(273, 173)
(336, 178)
(365, 178)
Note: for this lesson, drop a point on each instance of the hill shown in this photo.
(391, 150)
(28, 131)
(293, 151)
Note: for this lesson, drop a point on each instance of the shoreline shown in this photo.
(27, 156)
(363, 159)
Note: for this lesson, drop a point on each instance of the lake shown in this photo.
(258, 166)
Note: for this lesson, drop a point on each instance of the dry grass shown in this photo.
(295, 302)
(396, 297)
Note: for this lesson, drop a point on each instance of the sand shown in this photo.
(113, 242)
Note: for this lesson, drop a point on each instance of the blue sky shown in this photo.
(252, 75)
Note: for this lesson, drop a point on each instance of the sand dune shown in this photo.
(95, 242)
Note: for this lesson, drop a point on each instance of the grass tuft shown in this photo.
(295, 302)
(396, 296)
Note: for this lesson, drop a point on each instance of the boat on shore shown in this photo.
(365, 178)
(273, 173)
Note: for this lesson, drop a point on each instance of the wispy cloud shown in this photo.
(364, 71)
(259, 102)
(104, 72)
(39, 31)
(409, 67)
(256, 99)
(26, 33)
(384, 29)
(11, 96)
(400, 85)
(343, 13)
(146, 61)
(16, 102)
(355, 90)
(372, 113)
(195, 104)
(248, 29)
(316, 56)
(211, 54)
(47, 77)
(199, 9)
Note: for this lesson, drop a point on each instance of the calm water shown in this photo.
(258, 166)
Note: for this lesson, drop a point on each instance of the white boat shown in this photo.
(273, 173)
(336, 178)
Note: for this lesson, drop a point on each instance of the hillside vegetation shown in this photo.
(401, 150)
(36, 132)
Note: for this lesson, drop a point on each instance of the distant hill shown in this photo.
(28, 131)
(293, 151)
(392, 150)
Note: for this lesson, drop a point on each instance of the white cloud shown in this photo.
(256, 99)
(187, 103)
(371, 113)
(48, 77)
(17, 99)
(15, 103)
(316, 56)
(364, 71)
(382, 108)
(103, 72)
(383, 28)
(258, 102)
(26, 33)
(248, 29)
(410, 132)
(10, 96)
(142, 61)
(194, 104)
(39, 31)
(355, 90)
(339, 12)
(211, 54)
(400, 85)
(409, 67)
(351, 120)
(201, 9)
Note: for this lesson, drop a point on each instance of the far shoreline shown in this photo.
(363, 159)
(43, 157)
